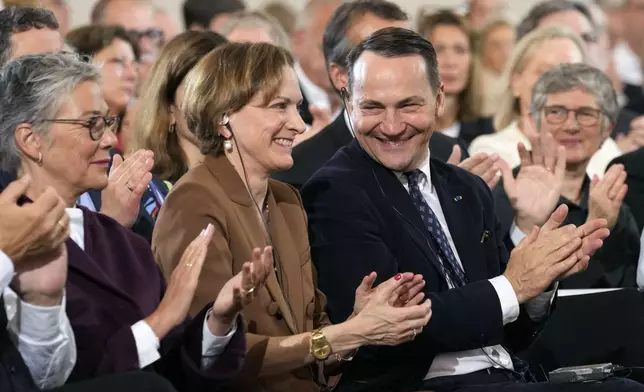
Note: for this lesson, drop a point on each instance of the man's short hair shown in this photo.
(98, 11)
(15, 20)
(335, 44)
(396, 42)
(547, 8)
(202, 12)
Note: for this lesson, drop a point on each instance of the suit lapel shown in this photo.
(402, 204)
(458, 213)
(235, 189)
(291, 273)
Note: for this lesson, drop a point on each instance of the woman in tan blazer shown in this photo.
(241, 102)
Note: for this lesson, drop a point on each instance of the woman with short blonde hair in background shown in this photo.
(255, 26)
(241, 101)
(494, 46)
(159, 125)
(537, 52)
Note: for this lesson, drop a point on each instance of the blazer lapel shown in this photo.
(235, 189)
(291, 273)
(402, 204)
(458, 213)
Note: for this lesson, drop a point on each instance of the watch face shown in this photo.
(321, 350)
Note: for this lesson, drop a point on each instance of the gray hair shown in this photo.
(32, 90)
(568, 77)
(15, 20)
(547, 8)
(257, 20)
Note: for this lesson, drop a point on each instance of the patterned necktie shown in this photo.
(452, 268)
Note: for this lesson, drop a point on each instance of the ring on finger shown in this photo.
(415, 333)
(249, 291)
(61, 224)
(129, 187)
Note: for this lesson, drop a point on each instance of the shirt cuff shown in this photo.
(507, 297)
(41, 323)
(147, 344)
(213, 345)
(516, 234)
(6, 271)
(539, 307)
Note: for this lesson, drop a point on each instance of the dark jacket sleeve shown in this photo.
(181, 357)
(349, 240)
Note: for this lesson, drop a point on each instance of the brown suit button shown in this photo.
(310, 309)
(274, 310)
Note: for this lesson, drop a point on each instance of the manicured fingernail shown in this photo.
(210, 227)
(202, 233)
(398, 276)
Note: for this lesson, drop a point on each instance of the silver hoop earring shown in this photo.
(228, 145)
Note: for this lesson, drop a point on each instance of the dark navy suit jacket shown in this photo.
(361, 219)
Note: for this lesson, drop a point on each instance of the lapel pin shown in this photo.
(458, 198)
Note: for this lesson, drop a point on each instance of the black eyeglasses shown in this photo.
(557, 115)
(96, 125)
(155, 35)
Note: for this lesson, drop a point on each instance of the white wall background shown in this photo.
(81, 8)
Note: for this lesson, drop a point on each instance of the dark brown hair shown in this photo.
(91, 39)
(152, 122)
(225, 81)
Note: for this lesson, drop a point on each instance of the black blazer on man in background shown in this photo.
(361, 219)
(311, 154)
(634, 165)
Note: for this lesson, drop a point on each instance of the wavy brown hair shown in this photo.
(225, 81)
(152, 122)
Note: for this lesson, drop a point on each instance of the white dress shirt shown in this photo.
(452, 131)
(147, 343)
(42, 335)
(640, 264)
(505, 144)
(465, 362)
(314, 94)
(627, 64)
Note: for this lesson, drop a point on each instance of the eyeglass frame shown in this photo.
(150, 33)
(599, 114)
(86, 123)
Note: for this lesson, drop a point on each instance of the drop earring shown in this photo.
(172, 128)
(228, 145)
(39, 159)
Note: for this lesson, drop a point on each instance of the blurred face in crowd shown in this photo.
(393, 109)
(497, 46)
(481, 11)
(307, 43)
(218, 21)
(539, 59)
(633, 26)
(60, 8)
(72, 160)
(179, 119)
(250, 34)
(119, 71)
(360, 29)
(166, 24)
(454, 56)
(581, 133)
(139, 20)
(577, 22)
(264, 133)
(36, 41)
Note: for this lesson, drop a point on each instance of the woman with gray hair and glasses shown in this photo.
(54, 128)
(574, 107)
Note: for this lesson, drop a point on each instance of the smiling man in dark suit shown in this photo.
(351, 23)
(381, 204)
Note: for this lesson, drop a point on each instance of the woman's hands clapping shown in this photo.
(240, 291)
(394, 312)
(409, 293)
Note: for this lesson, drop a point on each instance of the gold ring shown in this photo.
(249, 291)
(61, 224)
(415, 333)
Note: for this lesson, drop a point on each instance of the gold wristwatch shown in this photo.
(320, 347)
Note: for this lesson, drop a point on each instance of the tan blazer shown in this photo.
(213, 192)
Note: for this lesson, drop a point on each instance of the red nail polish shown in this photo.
(398, 276)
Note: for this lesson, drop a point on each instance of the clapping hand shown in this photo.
(33, 229)
(127, 181)
(381, 322)
(552, 252)
(535, 191)
(408, 294)
(481, 164)
(606, 195)
(240, 291)
(178, 296)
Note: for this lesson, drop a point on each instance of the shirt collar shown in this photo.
(315, 95)
(424, 168)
